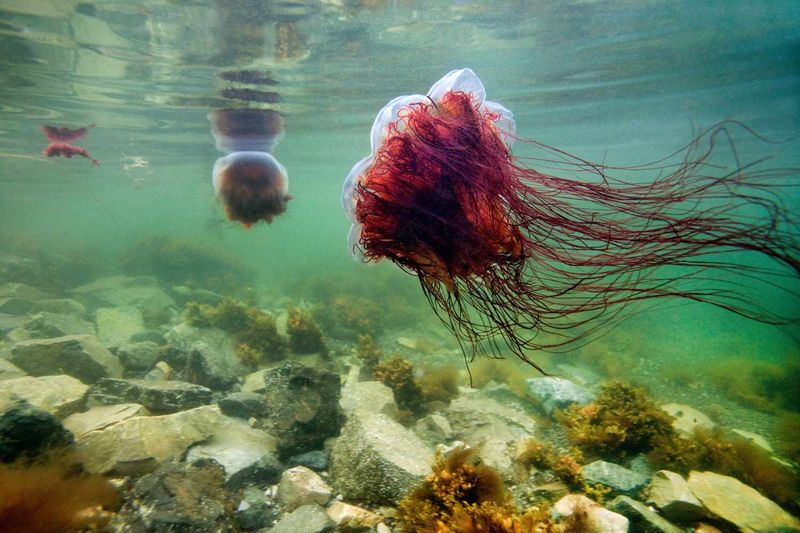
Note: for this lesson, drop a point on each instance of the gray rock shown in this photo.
(315, 460)
(15, 306)
(139, 355)
(434, 429)
(642, 519)
(255, 511)
(142, 292)
(9, 370)
(687, 418)
(27, 431)
(211, 356)
(241, 450)
(138, 444)
(186, 294)
(21, 290)
(160, 397)
(254, 381)
(367, 396)
(179, 497)
(243, 405)
(62, 306)
(598, 518)
(669, 493)
(14, 268)
(486, 424)
(9, 322)
(582, 376)
(305, 519)
(302, 407)
(618, 478)
(101, 417)
(46, 325)
(117, 325)
(556, 393)
(80, 356)
(377, 460)
(302, 486)
(58, 395)
(734, 502)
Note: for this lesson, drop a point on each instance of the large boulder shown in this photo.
(27, 431)
(377, 460)
(142, 292)
(211, 355)
(117, 325)
(101, 417)
(80, 356)
(302, 405)
(734, 502)
(138, 444)
(58, 395)
(160, 397)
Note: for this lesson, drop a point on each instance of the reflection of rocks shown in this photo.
(58, 395)
(618, 478)
(179, 497)
(556, 393)
(159, 397)
(246, 454)
(101, 417)
(377, 460)
(138, 444)
(80, 356)
(27, 431)
(302, 407)
(736, 503)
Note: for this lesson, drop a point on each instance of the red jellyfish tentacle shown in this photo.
(506, 251)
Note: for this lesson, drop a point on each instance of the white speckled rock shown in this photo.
(377, 460)
(58, 395)
(733, 501)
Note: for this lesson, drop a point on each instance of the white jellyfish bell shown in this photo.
(461, 80)
(251, 183)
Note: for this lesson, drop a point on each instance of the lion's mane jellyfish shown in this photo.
(60, 139)
(503, 251)
(251, 183)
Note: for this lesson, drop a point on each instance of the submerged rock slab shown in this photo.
(739, 504)
(211, 355)
(101, 417)
(21, 291)
(556, 393)
(80, 356)
(9, 370)
(618, 478)
(58, 395)
(117, 325)
(138, 444)
(687, 418)
(377, 460)
(305, 519)
(47, 325)
(120, 291)
(160, 397)
(641, 517)
(669, 493)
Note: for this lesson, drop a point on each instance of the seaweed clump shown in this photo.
(304, 333)
(462, 495)
(255, 331)
(621, 422)
(368, 353)
(53, 494)
(567, 466)
(398, 375)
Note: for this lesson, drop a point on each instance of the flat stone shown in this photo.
(121, 291)
(15, 306)
(556, 393)
(669, 493)
(641, 517)
(366, 396)
(102, 416)
(240, 449)
(62, 306)
(58, 395)
(117, 325)
(211, 357)
(302, 486)
(21, 291)
(47, 325)
(138, 444)
(9, 322)
(618, 478)
(755, 439)
(731, 500)
(254, 381)
(352, 516)
(687, 418)
(202, 296)
(434, 429)
(9, 370)
(376, 460)
(598, 518)
(80, 356)
(305, 519)
(244, 405)
(160, 397)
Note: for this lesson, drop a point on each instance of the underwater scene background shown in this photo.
(127, 280)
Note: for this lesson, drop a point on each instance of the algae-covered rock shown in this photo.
(377, 460)
(58, 395)
(27, 431)
(160, 397)
(138, 444)
(80, 356)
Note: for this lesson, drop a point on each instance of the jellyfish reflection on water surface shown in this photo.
(502, 250)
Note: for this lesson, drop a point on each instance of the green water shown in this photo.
(621, 82)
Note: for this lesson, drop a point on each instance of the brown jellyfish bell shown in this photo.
(251, 183)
